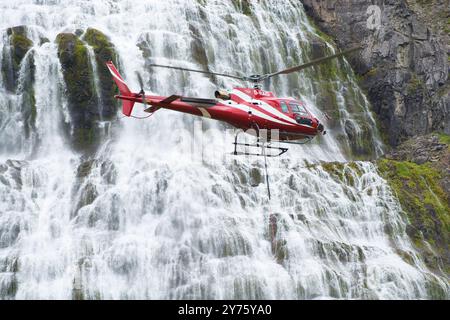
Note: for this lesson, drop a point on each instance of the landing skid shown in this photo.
(265, 145)
(260, 146)
(300, 142)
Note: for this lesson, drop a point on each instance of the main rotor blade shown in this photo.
(141, 82)
(312, 63)
(198, 71)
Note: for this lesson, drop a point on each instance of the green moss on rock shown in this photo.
(21, 45)
(444, 138)
(71, 51)
(333, 168)
(426, 204)
(343, 172)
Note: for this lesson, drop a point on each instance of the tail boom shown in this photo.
(127, 97)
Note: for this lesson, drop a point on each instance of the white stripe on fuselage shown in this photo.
(255, 112)
(264, 106)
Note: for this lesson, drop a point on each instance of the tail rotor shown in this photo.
(142, 92)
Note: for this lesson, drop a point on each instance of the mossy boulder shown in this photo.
(87, 103)
(82, 99)
(13, 55)
(422, 190)
(104, 52)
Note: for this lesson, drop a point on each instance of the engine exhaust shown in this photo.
(221, 94)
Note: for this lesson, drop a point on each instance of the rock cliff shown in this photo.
(404, 63)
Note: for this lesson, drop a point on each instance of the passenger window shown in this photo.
(294, 107)
(284, 107)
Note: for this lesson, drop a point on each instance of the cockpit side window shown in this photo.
(284, 107)
(296, 108)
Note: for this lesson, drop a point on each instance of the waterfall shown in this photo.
(144, 218)
(93, 63)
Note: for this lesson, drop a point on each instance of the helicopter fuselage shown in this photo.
(243, 108)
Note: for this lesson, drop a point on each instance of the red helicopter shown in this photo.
(243, 108)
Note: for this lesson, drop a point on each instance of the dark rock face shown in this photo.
(84, 104)
(420, 150)
(84, 191)
(403, 67)
(11, 173)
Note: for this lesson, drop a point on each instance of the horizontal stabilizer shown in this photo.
(170, 99)
(152, 109)
(163, 102)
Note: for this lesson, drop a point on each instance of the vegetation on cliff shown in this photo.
(422, 187)
(419, 176)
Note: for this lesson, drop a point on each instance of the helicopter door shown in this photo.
(264, 121)
(284, 107)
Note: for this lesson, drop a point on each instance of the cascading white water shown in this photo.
(146, 219)
(96, 79)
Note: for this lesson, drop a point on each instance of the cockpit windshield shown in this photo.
(297, 108)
